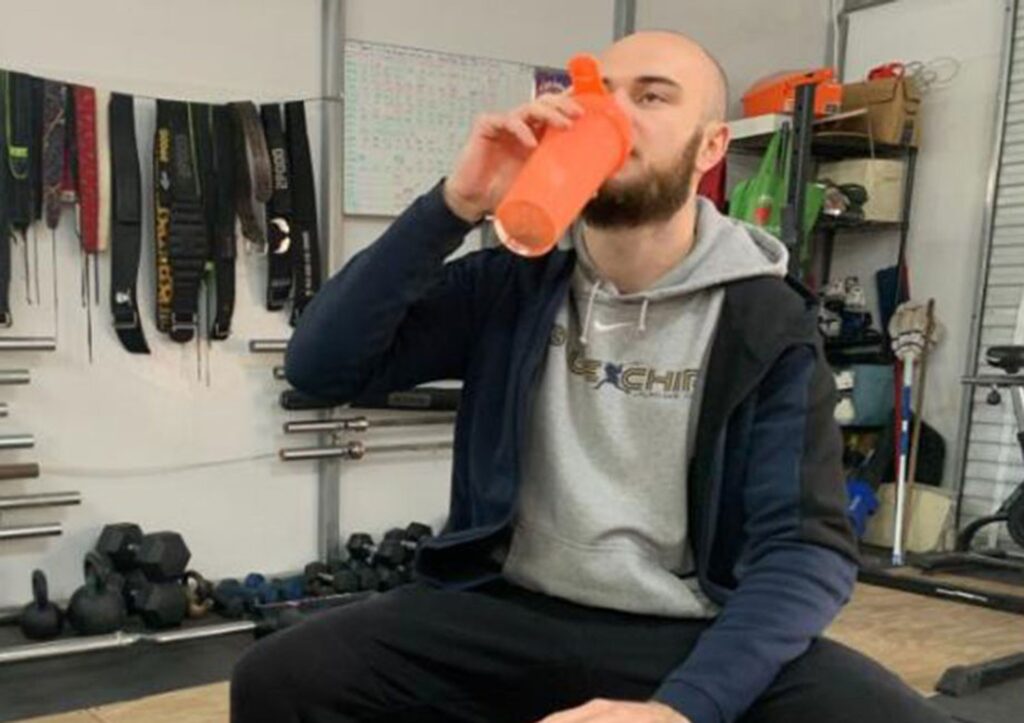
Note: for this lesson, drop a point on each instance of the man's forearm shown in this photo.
(353, 319)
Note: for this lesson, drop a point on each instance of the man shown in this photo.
(647, 517)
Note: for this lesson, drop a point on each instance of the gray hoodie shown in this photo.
(602, 509)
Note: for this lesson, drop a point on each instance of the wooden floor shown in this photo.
(918, 637)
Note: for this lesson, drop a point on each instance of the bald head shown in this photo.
(678, 57)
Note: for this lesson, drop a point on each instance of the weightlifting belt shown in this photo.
(69, 172)
(102, 170)
(305, 239)
(252, 177)
(180, 223)
(5, 223)
(36, 150)
(125, 224)
(202, 141)
(54, 95)
(20, 139)
(279, 211)
(223, 247)
(87, 179)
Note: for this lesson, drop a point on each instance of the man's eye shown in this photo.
(651, 98)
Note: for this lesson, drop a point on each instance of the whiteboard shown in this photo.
(407, 114)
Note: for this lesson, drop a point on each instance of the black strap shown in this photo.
(5, 222)
(202, 133)
(180, 208)
(20, 139)
(202, 130)
(69, 178)
(306, 270)
(125, 224)
(223, 249)
(36, 149)
(279, 211)
(252, 171)
(54, 102)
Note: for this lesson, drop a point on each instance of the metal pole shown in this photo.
(799, 170)
(358, 450)
(27, 343)
(45, 529)
(267, 346)
(363, 424)
(19, 470)
(17, 441)
(14, 376)
(41, 499)
(625, 18)
(332, 208)
(3, 409)
(984, 256)
(120, 639)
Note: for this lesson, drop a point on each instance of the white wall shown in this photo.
(750, 39)
(97, 425)
(952, 173)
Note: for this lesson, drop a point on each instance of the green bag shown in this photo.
(759, 199)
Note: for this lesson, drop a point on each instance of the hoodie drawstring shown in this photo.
(642, 325)
(590, 313)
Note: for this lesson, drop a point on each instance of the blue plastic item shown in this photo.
(862, 503)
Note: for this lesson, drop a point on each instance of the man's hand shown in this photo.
(618, 711)
(496, 150)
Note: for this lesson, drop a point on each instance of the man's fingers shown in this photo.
(493, 126)
(563, 102)
(548, 114)
(526, 123)
(518, 128)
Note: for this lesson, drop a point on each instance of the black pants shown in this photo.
(417, 655)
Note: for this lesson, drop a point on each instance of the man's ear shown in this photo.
(714, 146)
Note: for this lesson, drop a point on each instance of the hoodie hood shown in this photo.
(724, 250)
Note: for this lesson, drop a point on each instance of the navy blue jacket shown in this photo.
(767, 503)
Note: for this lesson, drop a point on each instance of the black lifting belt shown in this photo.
(279, 211)
(20, 140)
(252, 177)
(36, 149)
(223, 249)
(202, 130)
(305, 239)
(125, 224)
(5, 219)
(180, 223)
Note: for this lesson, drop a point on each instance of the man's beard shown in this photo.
(651, 199)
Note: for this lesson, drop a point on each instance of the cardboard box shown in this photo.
(893, 106)
(881, 177)
(931, 517)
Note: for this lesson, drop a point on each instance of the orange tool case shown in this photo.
(776, 92)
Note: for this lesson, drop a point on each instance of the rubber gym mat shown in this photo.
(1001, 703)
(57, 685)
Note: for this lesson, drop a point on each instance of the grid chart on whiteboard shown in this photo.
(407, 114)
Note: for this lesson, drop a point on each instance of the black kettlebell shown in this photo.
(40, 619)
(97, 607)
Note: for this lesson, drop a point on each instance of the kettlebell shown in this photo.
(97, 607)
(40, 619)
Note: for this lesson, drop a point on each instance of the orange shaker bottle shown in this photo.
(567, 167)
